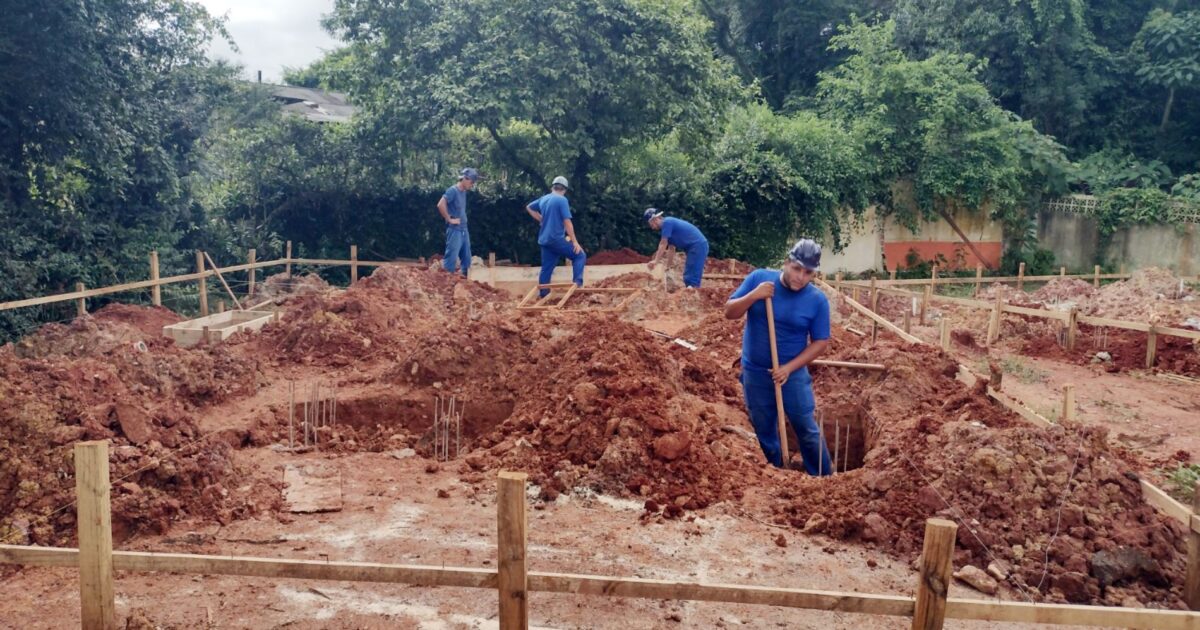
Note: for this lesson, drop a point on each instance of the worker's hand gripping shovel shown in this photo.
(781, 415)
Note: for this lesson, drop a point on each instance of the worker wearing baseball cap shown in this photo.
(556, 236)
(453, 208)
(802, 332)
(686, 238)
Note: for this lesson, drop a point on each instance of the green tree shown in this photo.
(1168, 48)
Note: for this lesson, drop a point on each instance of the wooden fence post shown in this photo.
(512, 577)
(944, 334)
(203, 284)
(874, 308)
(220, 306)
(892, 274)
(1122, 269)
(978, 277)
(1020, 276)
(925, 303)
(993, 332)
(81, 303)
(287, 255)
(1191, 586)
(1096, 277)
(155, 291)
(353, 264)
(1068, 410)
(907, 319)
(94, 519)
(933, 275)
(252, 256)
(1062, 272)
(936, 556)
(1151, 347)
(837, 282)
(1072, 327)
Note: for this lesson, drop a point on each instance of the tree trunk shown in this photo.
(1167, 109)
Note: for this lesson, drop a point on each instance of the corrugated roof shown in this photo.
(313, 104)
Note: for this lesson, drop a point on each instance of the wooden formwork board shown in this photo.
(547, 304)
(218, 327)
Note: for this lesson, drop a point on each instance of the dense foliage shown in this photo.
(760, 120)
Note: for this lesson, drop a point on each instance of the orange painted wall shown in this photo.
(896, 253)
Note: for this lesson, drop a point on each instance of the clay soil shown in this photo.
(641, 459)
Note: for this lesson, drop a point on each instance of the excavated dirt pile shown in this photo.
(376, 317)
(623, 256)
(113, 376)
(607, 405)
(285, 285)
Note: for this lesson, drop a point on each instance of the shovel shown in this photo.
(781, 416)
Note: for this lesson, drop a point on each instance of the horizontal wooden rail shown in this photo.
(130, 286)
(984, 280)
(579, 584)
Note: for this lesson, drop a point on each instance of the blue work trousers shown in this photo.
(458, 249)
(553, 252)
(799, 405)
(693, 269)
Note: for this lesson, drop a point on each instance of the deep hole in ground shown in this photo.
(846, 431)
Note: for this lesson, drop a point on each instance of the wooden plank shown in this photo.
(1036, 312)
(876, 367)
(1163, 502)
(894, 605)
(882, 322)
(933, 582)
(528, 296)
(155, 291)
(513, 579)
(220, 277)
(96, 597)
(1113, 323)
(1016, 407)
(1071, 615)
(202, 283)
(1191, 585)
(567, 296)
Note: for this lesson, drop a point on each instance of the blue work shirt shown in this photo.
(681, 234)
(799, 316)
(456, 206)
(554, 210)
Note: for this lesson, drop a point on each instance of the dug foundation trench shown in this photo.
(594, 401)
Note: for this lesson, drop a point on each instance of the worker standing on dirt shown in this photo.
(453, 208)
(802, 331)
(556, 236)
(686, 238)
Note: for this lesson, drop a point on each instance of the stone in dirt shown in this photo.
(672, 446)
(975, 578)
(1125, 563)
(135, 423)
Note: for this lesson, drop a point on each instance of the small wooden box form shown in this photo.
(220, 326)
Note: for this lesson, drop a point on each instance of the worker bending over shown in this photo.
(556, 236)
(685, 237)
(802, 331)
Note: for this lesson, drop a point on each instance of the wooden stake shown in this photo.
(781, 419)
(223, 283)
(907, 319)
(1068, 411)
(220, 306)
(936, 556)
(892, 274)
(944, 334)
(1021, 276)
(994, 325)
(933, 275)
(97, 606)
(978, 277)
(1072, 327)
(874, 308)
(854, 294)
(1062, 272)
(1151, 347)
(513, 578)
(155, 291)
(1122, 269)
(928, 295)
(81, 303)
(287, 266)
(491, 259)
(203, 284)
(251, 257)
(1191, 587)
(1096, 277)
(353, 264)
(837, 282)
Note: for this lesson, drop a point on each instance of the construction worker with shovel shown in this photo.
(686, 238)
(556, 234)
(775, 377)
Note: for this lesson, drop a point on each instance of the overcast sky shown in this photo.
(271, 34)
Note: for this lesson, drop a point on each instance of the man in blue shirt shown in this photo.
(453, 208)
(802, 333)
(556, 236)
(686, 238)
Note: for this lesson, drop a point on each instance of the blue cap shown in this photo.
(469, 173)
(651, 214)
